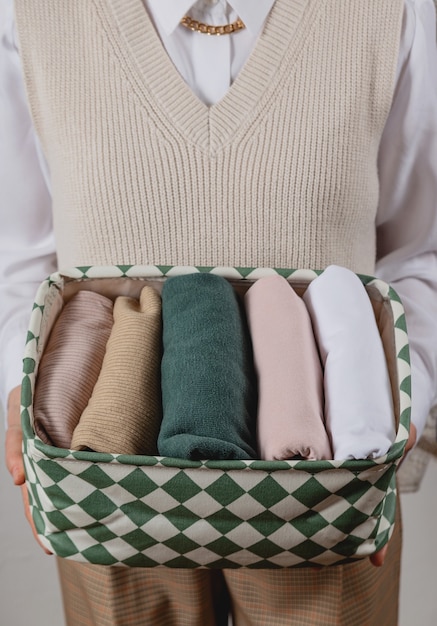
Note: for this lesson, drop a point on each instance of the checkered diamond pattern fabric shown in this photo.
(151, 511)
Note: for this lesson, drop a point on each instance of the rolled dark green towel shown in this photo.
(208, 385)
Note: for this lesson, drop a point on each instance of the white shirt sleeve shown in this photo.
(407, 215)
(27, 248)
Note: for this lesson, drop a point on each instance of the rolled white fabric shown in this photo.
(358, 399)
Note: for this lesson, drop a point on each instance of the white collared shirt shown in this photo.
(209, 65)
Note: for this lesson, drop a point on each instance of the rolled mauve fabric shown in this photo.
(358, 398)
(289, 373)
(124, 412)
(70, 366)
(208, 390)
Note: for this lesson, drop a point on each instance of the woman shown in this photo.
(306, 136)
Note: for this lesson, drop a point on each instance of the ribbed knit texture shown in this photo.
(208, 386)
(70, 366)
(289, 373)
(124, 412)
(282, 172)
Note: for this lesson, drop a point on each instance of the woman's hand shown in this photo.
(14, 456)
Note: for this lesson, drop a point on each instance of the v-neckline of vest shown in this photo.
(154, 74)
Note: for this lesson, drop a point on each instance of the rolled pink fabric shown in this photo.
(290, 378)
(70, 366)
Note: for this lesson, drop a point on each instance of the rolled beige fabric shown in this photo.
(70, 366)
(124, 412)
(289, 373)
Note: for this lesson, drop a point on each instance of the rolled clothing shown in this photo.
(359, 410)
(124, 412)
(208, 385)
(289, 373)
(70, 366)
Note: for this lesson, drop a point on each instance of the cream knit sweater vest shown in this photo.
(282, 172)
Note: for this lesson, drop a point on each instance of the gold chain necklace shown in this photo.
(209, 29)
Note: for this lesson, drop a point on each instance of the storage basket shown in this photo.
(144, 511)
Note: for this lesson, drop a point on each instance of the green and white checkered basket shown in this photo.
(144, 511)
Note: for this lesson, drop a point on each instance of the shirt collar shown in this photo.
(170, 12)
(252, 12)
